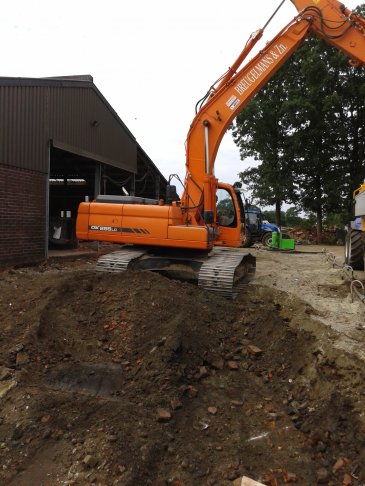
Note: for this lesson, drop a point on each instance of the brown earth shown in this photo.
(133, 379)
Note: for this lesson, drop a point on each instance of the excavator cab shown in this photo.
(230, 216)
(229, 210)
(226, 211)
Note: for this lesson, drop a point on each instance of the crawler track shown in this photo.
(223, 271)
(118, 261)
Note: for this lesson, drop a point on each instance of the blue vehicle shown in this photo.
(258, 230)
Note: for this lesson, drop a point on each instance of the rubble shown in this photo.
(5, 373)
(90, 461)
(305, 236)
(163, 415)
(6, 386)
(22, 358)
(254, 350)
(245, 481)
(121, 391)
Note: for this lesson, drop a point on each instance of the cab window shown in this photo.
(226, 214)
(252, 218)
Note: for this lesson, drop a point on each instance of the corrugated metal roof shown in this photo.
(71, 113)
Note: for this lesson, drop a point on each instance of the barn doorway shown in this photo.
(73, 179)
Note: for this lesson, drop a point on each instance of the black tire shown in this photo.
(266, 239)
(354, 249)
(248, 239)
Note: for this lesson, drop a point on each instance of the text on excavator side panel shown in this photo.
(262, 66)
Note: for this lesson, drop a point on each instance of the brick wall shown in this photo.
(22, 216)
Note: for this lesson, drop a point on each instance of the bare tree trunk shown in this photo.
(278, 213)
(319, 225)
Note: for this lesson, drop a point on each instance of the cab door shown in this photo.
(228, 217)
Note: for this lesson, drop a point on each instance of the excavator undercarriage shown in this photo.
(223, 271)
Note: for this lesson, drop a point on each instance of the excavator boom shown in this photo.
(328, 19)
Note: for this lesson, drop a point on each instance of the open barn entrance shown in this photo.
(74, 178)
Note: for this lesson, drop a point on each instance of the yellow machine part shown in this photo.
(359, 198)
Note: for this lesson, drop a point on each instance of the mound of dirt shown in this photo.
(131, 379)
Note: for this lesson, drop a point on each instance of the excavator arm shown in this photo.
(328, 19)
(337, 25)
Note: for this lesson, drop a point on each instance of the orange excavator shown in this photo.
(203, 234)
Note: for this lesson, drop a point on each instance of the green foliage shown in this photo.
(336, 220)
(293, 219)
(307, 129)
(259, 133)
(271, 215)
(309, 222)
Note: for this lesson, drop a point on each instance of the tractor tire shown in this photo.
(266, 239)
(354, 249)
(248, 239)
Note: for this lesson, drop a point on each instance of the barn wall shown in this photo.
(74, 116)
(23, 132)
(23, 202)
(79, 122)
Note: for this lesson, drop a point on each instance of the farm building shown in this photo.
(61, 142)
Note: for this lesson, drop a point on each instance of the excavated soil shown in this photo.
(134, 379)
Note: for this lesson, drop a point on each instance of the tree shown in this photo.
(260, 133)
(292, 217)
(312, 131)
(307, 128)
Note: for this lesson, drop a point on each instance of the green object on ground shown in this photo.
(274, 241)
(280, 243)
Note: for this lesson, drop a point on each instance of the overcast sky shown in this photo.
(151, 59)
